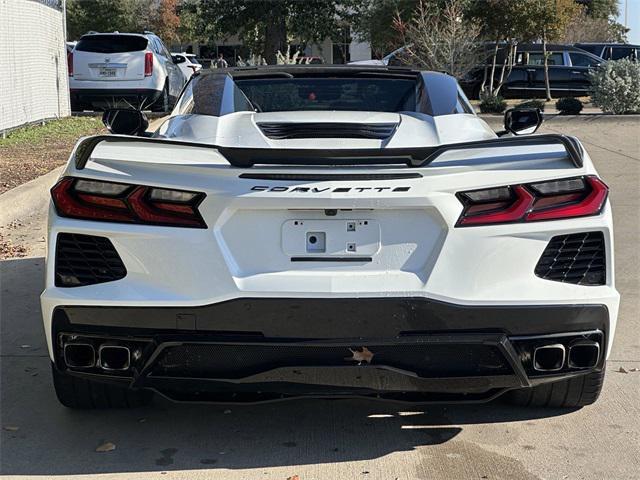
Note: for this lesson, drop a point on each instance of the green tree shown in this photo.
(375, 21)
(547, 20)
(503, 23)
(269, 26)
(600, 8)
(96, 15)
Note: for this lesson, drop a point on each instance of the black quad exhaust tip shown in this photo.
(114, 357)
(549, 358)
(79, 355)
(584, 354)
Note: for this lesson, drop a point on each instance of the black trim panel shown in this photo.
(327, 177)
(316, 318)
(411, 157)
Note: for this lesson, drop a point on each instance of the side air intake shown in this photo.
(577, 258)
(285, 131)
(86, 260)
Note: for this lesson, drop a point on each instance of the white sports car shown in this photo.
(328, 231)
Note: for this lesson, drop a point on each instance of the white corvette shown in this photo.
(330, 232)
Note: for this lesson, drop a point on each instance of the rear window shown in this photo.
(595, 49)
(622, 52)
(374, 95)
(111, 43)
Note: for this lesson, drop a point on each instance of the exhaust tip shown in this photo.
(584, 354)
(114, 357)
(549, 358)
(79, 355)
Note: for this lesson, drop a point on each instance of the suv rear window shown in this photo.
(374, 95)
(116, 43)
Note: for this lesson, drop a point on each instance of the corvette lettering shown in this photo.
(265, 188)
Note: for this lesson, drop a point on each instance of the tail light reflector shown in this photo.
(148, 64)
(553, 200)
(70, 63)
(119, 202)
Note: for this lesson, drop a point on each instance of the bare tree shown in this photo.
(583, 28)
(440, 39)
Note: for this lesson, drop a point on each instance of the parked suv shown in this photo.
(611, 51)
(187, 62)
(108, 69)
(568, 72)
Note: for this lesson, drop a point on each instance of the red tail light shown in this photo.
(70, 63)
(552, 200)
(119, 202)
(148, 64)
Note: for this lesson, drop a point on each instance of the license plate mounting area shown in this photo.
(331, 238)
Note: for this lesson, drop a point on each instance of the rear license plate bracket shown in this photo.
(338, 238)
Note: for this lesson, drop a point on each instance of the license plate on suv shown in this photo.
(107, 72)
(331, 238)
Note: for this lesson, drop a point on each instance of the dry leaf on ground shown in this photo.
(106, 447)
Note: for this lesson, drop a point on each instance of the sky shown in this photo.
(633, 19)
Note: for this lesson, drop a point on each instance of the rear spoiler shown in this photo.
(412, 157)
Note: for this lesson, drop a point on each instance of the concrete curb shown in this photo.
(27, 199)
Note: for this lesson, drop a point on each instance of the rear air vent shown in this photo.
(284, 131)
(86, 260)
(577, 258)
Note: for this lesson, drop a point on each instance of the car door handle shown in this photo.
(577, 72)
(531, 69)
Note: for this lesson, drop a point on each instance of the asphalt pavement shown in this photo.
(340, 439)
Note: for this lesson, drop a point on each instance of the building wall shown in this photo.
(33, 62)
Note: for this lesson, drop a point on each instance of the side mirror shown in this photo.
(125, 121)
(177, 59)
(522, 121)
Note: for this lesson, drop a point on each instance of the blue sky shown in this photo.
(633, 19)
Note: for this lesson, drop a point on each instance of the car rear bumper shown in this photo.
(250, 350)
(114, 97)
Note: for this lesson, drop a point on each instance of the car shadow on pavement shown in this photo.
(40, 437)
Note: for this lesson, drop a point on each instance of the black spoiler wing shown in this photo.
(411, 157)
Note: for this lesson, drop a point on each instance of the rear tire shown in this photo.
(162, 104)
(83, 394)
(571, 393)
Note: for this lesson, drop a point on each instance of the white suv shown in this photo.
(111, 69)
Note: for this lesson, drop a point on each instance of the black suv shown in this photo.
(611, 51)
(568, 72)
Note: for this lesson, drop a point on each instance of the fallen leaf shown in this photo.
(363, 355)
(621, 370)
(106, 447)
(295, 477)
(11, 428)
(634, 369)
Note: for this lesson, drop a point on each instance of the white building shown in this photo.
(34, 85)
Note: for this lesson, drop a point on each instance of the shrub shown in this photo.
(569, 106)
(616, 86)
(493, 104)
(532, 104)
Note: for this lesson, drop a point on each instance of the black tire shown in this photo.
(162, 104)
(82, 394)
(574, 392)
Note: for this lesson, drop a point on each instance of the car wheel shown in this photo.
(162, 103)
(571, 393)
(80, 393)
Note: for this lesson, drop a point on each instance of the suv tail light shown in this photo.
(148, 64)
(70, 63)
(551, 200)
(120, 202)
